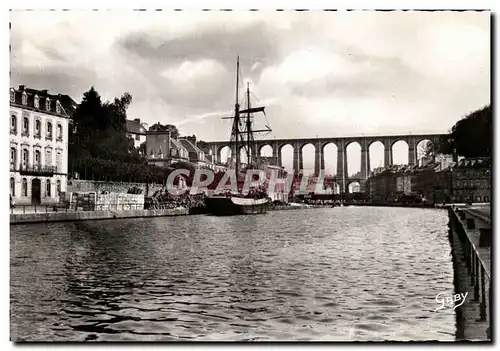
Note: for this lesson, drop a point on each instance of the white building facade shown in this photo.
(137, 130)
(38, 147)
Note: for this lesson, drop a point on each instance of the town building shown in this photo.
(163, 150)
(38, 145)
(471, 180)
(196, 155)
(137, 131)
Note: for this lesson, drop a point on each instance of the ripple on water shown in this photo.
(330, 274)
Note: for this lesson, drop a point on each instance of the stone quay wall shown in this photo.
(92, 215)
(470, 238)
(84, 186)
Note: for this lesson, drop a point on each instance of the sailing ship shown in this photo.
(242, 136)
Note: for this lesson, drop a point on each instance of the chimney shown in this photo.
(45, 92)
(138, 120)
(22, 87)
(192, 139)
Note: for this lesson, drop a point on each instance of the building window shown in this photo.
(38, 159)
(13, 124)
(12, 186)
(58, 187)
(59, 132)
(24, 99)
(137, 137)
(48, 157)
(47, 188)
(12, 96)
(25, 157)
(49, 130)
(26, 126)
(486, 199)
(58, 107)
(13, 157)
(37, 101)
(59, 161)
(47, 104)
(38, 128)
(25, 187)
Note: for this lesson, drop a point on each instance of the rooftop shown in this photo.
(61, 105)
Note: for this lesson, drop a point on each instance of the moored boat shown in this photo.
(232, 205)
(257, 200)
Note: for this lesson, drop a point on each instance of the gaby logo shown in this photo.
(448, 301)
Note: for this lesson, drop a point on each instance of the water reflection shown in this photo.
(329, 274)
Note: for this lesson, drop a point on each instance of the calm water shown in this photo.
(352, 273)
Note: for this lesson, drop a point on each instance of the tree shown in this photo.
(99, 133)
(472, 136)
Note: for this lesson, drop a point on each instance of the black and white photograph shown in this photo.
(233, 175)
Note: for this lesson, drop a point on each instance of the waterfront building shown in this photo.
(471, 180)
(137, 131)
(163, 150)
(196, 155)
(38, 145)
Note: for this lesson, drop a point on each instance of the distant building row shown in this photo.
(443, 180)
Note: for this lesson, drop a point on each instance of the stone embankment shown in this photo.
(470, 237)
(92, 215)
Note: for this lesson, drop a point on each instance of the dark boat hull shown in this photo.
(226, 206)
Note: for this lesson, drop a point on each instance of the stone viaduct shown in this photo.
(215, 148)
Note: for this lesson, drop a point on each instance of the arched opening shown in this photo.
(36, 185)
(376, 151)
(287, 157)
(308, 153)
(400, 153)
(12, 186)
(424, 152)
(330, 157)
(354, 187)
(266, 151)
(353, 160)
(225, 154)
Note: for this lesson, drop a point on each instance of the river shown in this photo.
(338, 274)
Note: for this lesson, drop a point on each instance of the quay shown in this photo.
(470, 236)
(24, 218)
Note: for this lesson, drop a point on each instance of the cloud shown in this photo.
(320, 73)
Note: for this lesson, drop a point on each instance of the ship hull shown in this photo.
(229, 206)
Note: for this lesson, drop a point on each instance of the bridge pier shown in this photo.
(365, 162)
(387, 155)
(341, 166)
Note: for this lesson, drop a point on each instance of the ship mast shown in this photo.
(250, 151)
(236, 134)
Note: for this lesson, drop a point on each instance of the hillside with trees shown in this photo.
(472, 136)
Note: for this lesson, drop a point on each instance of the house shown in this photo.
(471, 180)
(38, 137)
(163, 150)
(196, 155)
(137, 131)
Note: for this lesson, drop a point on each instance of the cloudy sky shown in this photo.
(318, 73)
